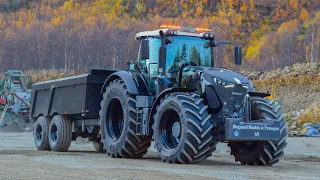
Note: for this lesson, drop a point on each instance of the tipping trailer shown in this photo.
(173, 95)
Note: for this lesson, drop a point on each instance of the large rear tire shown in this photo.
(182, 129)
(262, 152)
(118, 119)
(41, 133)
(60, 133)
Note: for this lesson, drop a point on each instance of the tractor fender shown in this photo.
(127, 78)
(162, 95)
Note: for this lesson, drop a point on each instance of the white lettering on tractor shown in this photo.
(255, 127)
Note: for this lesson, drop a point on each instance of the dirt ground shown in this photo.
(20, 160)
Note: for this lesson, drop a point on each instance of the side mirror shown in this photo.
(144, 51)
(238, 55)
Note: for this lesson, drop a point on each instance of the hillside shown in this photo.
(75, 35)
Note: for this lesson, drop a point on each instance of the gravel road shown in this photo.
(20, 160)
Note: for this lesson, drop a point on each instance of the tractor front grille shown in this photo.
(231, 95)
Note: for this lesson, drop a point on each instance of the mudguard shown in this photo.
(127, 77)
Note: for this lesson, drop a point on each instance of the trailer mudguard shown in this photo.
(127, 77)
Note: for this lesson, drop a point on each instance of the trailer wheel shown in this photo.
(262, 152)
(118, 123)
(182, 129)
(40, 133)
(60, 133)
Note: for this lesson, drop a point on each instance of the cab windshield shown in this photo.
(182, 50)
(187, 49)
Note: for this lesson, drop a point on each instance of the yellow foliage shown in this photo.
(244, 8)
(199, 11)
(45, 75)
(310, 115)
(19, 24)
(68, 5)
(253, 51)
(304, 15)
(287, 28)
(239, 19)
(56, 21)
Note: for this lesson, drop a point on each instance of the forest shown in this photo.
(76, 35)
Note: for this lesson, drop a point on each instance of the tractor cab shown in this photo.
(167, 51)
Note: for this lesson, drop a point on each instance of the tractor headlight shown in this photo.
(221, 82)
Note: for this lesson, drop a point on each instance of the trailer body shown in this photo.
(77, 98)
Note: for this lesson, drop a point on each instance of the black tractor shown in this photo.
(173, 95)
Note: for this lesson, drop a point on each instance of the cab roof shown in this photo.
(155, 33)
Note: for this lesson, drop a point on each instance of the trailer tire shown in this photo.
(262, 153)
(41, 133)
(182, 129)
(60, 133)
(119, 131)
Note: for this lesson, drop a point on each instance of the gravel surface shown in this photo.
(19, 159)
(12, 127)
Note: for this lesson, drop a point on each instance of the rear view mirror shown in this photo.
(238, 55)
(144, 49)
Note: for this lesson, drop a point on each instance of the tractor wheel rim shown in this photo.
(176, 129)
(115, 119)
(170, 129)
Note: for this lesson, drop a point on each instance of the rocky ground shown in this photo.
(298, 88)
(20, 160)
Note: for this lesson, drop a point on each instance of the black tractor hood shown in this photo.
(226, 75)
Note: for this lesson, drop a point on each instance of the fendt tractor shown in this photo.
(172, 95)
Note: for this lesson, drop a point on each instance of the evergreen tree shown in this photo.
(195, 56)
(184, 54)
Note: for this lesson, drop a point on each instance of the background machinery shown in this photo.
(14, 96)
(173, 95)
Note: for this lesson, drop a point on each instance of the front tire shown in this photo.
(41, 133)
(60, 133)
(182, 129)
(118, 119)
(262, 152)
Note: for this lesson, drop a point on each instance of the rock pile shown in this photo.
(295, 70)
